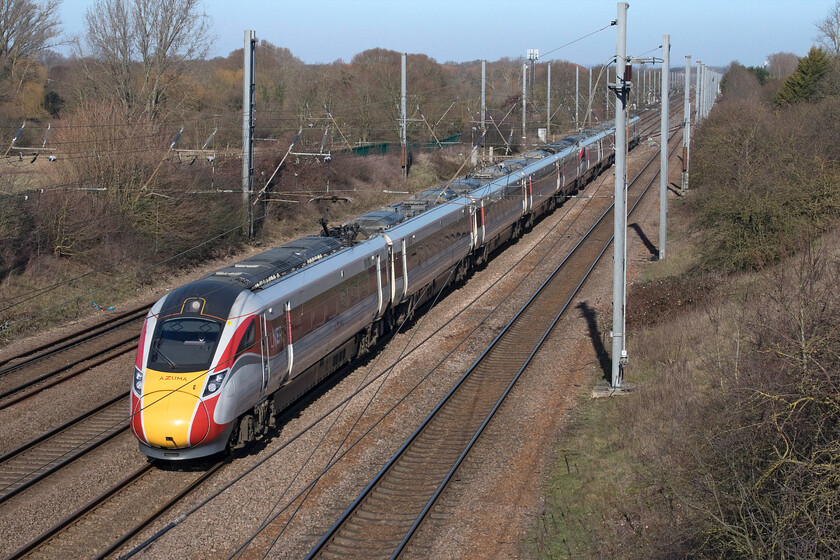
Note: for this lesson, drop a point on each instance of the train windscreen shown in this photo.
(184, 345)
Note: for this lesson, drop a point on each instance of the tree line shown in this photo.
(116, 114)
(145, 60)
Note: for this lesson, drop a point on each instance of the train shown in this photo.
(219, 358)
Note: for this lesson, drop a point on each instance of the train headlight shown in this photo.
(137, 382)
(214, 383)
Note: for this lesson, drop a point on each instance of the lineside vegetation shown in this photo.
(730, 446)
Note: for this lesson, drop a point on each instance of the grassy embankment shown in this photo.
(729, 447)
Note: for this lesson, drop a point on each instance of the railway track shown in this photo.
(38, 458)
(103, 525)
(382, 520)
(46, 544)
(48, 365)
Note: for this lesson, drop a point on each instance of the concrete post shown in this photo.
(248, 129)
(577, 97)
(619, 351)
(686, 122)
(483, 98)
(403, 116)
(548, 105)
(663, 145)
(697, 91)
(524, 93)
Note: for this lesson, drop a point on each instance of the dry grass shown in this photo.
(616, 491)
(727, 445)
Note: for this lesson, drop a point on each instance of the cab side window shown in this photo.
(248, 339)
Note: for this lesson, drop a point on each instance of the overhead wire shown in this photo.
(376, 392)
(233, 229)
(308, 488)
(166, 120)
(325, 415)
(41, 291)
(336, 457)
(384, 379)
(563, 46)
(219, 113)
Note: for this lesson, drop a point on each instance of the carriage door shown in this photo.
(290, 347)
(530, 193)
(265, 346)
(391, 271)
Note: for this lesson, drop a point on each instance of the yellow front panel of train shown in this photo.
(171, 406)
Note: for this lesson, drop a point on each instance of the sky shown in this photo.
(323, 31)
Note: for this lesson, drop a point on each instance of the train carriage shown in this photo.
(430, 246)
(220, 356)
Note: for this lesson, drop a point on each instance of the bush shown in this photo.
(766, 181)
(17, 230)
(804, 83)
(731, 449)
(772, 461)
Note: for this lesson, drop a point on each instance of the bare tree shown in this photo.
(782, 64)
(141, 46)
(109, 38)
(829, 30)
(27, 27)
(741, 83)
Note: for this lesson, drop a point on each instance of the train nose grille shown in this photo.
(174, 419)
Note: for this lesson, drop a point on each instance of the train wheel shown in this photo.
(265, 416)
(367, 340)
(463, 270)
(244, 432)
(233, 439)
